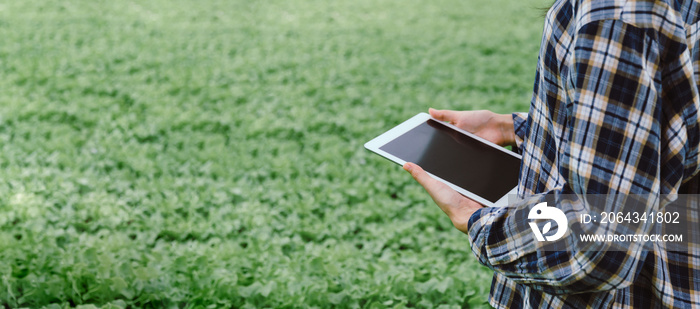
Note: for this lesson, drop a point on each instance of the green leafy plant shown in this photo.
(184, 154)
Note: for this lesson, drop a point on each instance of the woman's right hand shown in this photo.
(496, 128)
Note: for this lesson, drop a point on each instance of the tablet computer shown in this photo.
(473, 166)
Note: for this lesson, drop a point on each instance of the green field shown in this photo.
(184, 154)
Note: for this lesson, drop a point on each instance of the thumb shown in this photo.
(429, 183)
(443, 195)
(442, 115)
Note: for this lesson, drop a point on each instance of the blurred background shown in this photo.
(186, 154)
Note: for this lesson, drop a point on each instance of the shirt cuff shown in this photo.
(477, 229)
(519, 126)
(475, 217)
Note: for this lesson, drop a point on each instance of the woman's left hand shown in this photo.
(457, 207)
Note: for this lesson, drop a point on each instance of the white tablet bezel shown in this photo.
(388, 136)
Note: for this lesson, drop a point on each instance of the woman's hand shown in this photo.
(455, 205)
(496, 128)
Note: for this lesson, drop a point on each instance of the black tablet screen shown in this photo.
(458, 158)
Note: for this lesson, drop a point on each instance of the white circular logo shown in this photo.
(542, 211)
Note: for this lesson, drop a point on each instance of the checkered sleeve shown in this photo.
(610, 145)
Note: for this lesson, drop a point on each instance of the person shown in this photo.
(614, 111)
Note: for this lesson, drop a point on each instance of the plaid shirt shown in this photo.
(614, 110)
